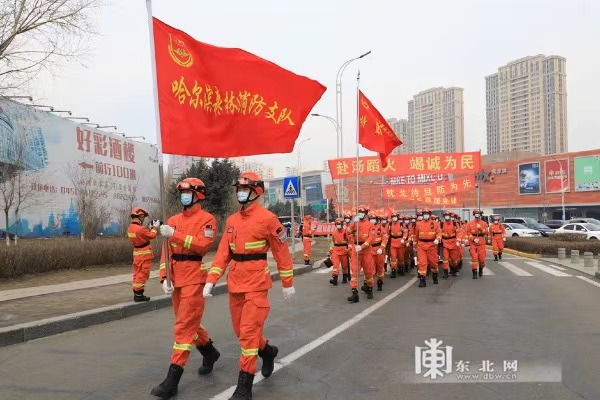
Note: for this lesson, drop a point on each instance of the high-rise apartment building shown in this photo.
(400, 127)
(436, 121)
(244, 165)
(526, 106)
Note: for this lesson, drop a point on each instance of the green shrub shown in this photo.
(550, 247)
(568, 237)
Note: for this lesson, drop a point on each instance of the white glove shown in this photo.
(288, 292)
(407, 244)
(458, 243)
(489, 241)
(401, 241)
(476, 240)
(166, 231)
(357, 248)
(504, 239)
(155, 224)
(436, 241)
(167, 287)
(206, 292)
(379, 252)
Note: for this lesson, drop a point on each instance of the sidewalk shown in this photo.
(99, 299)
(593, 271)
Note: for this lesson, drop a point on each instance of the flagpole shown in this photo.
(357, 170)
(161, 175)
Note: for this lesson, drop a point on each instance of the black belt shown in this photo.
(376, 245)
(449, 237)
(248, 257)
(308, 236)
(395, 237)
(186, 257)
(360, 243)
(426, 240)
(340, 244)
(483, 234)
(141, 245)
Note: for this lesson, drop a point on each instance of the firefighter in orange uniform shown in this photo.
(140, 238)
(360, 253)
(377, 250)
(307, 237)
(339, 253)
(190, 235)
(411, 257)
(498, 234)
(385, 228)
(249, 234)
(476, 232)
(451, 243)
(427, 237)
(398, 245)
(461, 235)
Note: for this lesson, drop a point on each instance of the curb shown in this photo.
(518, 253)
(596, 274)
(51, 326)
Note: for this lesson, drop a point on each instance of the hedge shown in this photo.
(550, 246)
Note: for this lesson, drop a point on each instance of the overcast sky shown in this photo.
(415, 45)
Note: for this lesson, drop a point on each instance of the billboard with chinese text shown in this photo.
(557, 174)
(529, 178)
(57, 151)
(587, 173)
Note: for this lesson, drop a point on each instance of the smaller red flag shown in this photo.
(374, 133)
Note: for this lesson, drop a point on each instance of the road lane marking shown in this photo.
(290, 358)
(588, 280)
(547, 269)
(488, 271)
(322, 271)
(514, 269)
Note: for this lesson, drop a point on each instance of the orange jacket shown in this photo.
(427, 231)
(497, 230)
(385, 231)
(450, 234)
(194, 235)
(250, 233)
(366, 233)
(340, 242)
(476, 229)
(140, 238)
(307, 227)
(398, 233)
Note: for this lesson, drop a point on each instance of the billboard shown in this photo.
(557, 176)
(60, 159)
(529, 178)
(587, 173)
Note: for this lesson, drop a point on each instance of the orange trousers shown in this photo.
(497, 244)
(338, 259)
(249, 311)
(409, 256)
(379, 261)
(399, 256)
(141, 273)
(451, 257)
(188, 305)
(427, 253)
(365, 261)
(307, 242)
(478, 253)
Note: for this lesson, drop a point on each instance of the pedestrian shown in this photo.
(360, 253)
(498, 235)
(428, 235)
(190, 235)
(339, 253)
(399, 245)
(451, 244)
(477, 231)
(377, 249)
(140, 238)
(249, 234)
(385, 227)
(307, 237)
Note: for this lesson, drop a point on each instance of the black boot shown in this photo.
(168, 387)
(210, 355)
(306, 262)
(435, 278)
(364, 287)
(445, 274)
(406, 269)
(243, 391)
(385, 266)
(481, 271)
(345, 278)
(474, 274)
(460, 264)
(334, 280)
(495, 257)
(138, 296)
(354, 297)
(370, 292)
(268, 355)
(422, 282)
(393, 274)
(500, 256)
(453, 271)
(379, 285)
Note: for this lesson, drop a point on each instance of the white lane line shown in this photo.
(547, 269)
(290, 358)
(488, 271)
(514, 269)
(556, 267)
(323, 270)
(588, 280)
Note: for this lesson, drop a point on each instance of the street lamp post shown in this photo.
(337, 155)
(301, 184)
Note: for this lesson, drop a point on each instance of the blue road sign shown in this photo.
(290, 187)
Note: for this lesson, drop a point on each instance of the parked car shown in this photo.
(584, 221)
(531, 224)
(591, 231)
(518, 230)
(555, 223)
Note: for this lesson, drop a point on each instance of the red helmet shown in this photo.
(347, 216)
(477, 212)
(420, 213)
(496, 218)
(139, 212)
(193, 184)
(363, 208)
(426, 210)
(339, 221)
(447, 212)
(251, 180)
(373, 216)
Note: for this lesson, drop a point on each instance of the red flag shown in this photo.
(226, 102)
(374, 133)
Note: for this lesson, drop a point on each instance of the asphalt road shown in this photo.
(544, 318)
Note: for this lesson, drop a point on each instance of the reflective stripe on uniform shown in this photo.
(232, 246)
(142, 252)
(204, 267)
(255, 245)
(138, 285)
(163, 266)
(131, 235)
(286, 273)
(250, 352)
(182, 346)
(215, 270)
(188, 241)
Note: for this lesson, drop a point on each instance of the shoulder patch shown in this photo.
(230, 229)
(209, 232)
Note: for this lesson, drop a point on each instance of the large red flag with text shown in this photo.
(374, 133)
(226, 102)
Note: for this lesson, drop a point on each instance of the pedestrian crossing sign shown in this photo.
(290, 187)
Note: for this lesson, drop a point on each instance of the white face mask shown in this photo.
(346, 220)
(373, 220)
(384, 221)
(338, 226)
(394, 219)
(243, 196)
(420, 218)
(361, 215)
(406, 221)
(496, 222)
(477, 216)
(413, 221)
(425, 217)
(447, 217)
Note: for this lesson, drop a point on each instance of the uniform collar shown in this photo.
(136, 222)
(192, 210)
(249, 208)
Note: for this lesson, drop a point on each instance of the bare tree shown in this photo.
(7, 193)
(39, 34)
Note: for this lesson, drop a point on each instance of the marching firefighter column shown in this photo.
(248, 235)
(411, 255)
(377, 251)
(190, 235)
(360, 253)
(385, 228)
(339, 253)
(140, 238)
(476, 231)
(399, 245)
(307, 237)
(452, 244)
(428, 235)
(498, 233)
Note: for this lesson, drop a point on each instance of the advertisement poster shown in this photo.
(529, 178)
(557, 175)
(587, 173)
(60, 159)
